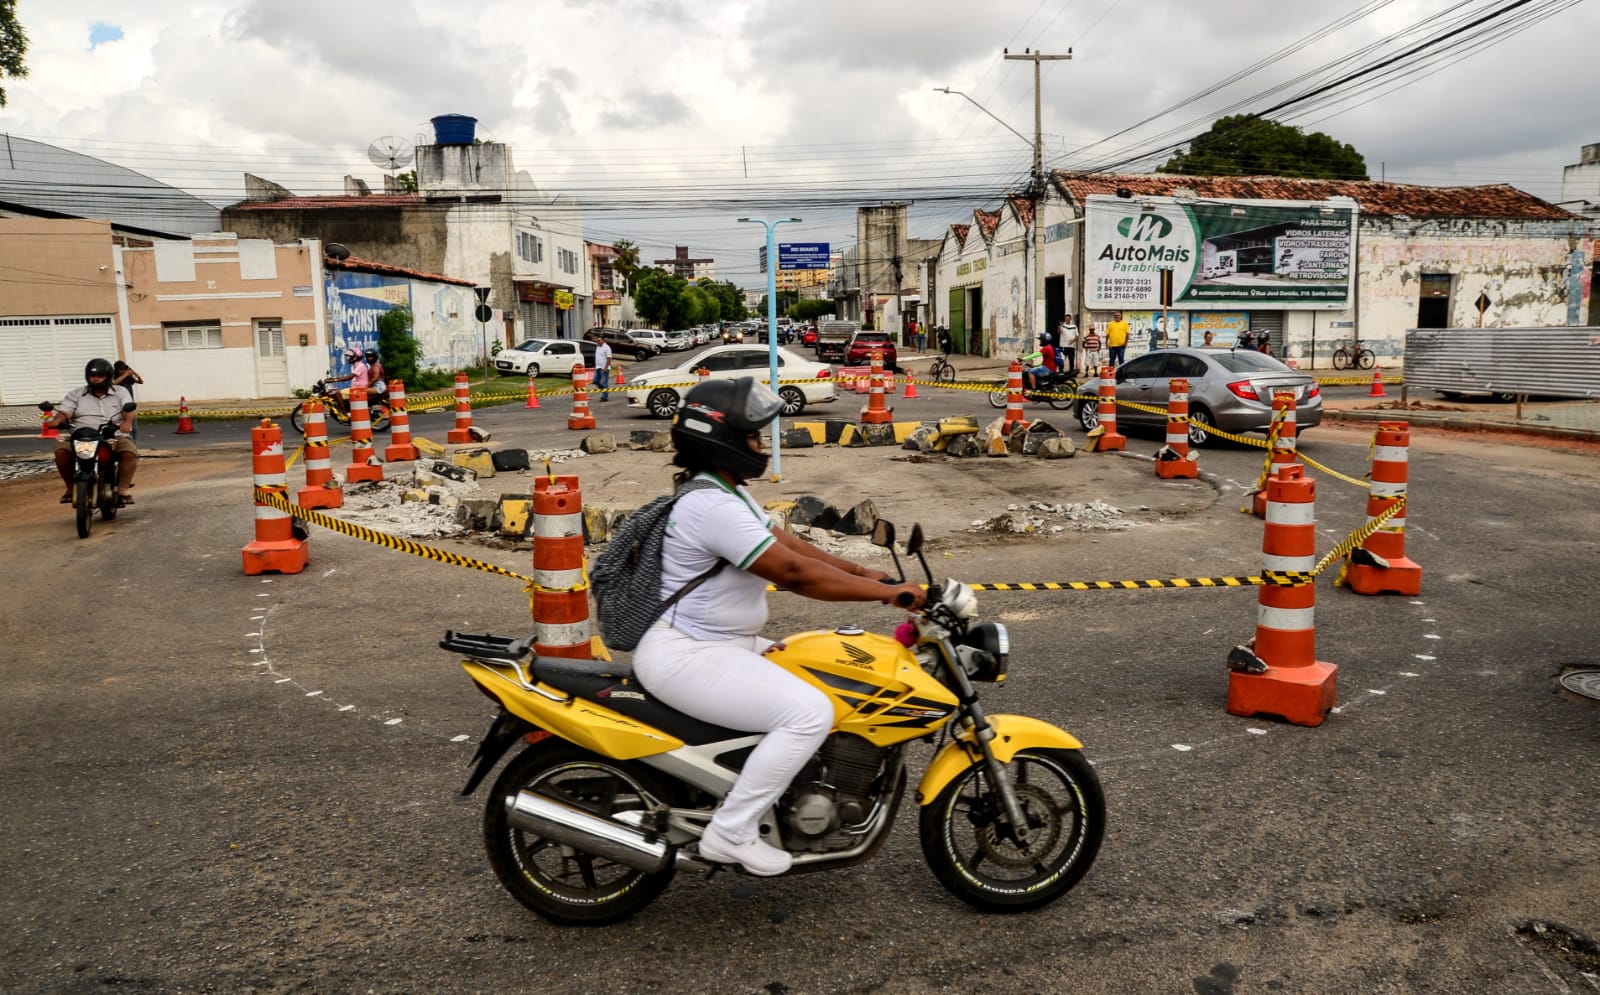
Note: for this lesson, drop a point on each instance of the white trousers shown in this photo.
(729, 683)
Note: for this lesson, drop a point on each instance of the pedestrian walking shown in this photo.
(602, 369)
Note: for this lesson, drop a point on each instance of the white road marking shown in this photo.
(1424, 656)
(393, 722)
(1430, 635)
(460, 739)
(312, 694)
(1256, 732)
(1181, 748)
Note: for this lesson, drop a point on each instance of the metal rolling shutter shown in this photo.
(1270, 322)
(43, 358)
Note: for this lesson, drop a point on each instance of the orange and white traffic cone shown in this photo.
(462, 434)
(1377, 385)
(361, 470)
(185, 423)
(533, 393)
(911, 385)
(1380, 566)
(321, 490)
(877, 411)
(1278, 673)
(560, 590)
(401, 449)
(1108, 440)
(275, 549)
(581, 417)
(1174, 460)
(1284, 452)
(1014, 399)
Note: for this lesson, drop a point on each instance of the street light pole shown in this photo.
(772, 331)
(1038, 182)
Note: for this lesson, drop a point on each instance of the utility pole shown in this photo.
(1036, 315)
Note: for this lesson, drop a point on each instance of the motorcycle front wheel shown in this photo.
(83, 505)
(558, 882)
(380, 418)
(971, 851)
(297, 418)
(998, 397)
(1059, 398)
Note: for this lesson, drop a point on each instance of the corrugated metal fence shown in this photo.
(1543, 362)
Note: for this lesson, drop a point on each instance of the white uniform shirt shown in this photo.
(602, 356)
(707, 525)
(89, 411)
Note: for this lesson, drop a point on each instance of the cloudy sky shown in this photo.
(669, 119)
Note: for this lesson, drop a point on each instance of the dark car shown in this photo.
(1229, 388)
(864, 344)
(622, 344)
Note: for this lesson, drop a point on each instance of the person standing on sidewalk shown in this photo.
(1117, 340)
(602, 369)
(1067, 346)
(1089, 350)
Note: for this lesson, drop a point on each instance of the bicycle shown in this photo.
(1351, 355)
(942, 370)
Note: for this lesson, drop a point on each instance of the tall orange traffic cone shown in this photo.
(533, 394)
(560, 590)
(911, 385)
(462, 433)
(581, 417)
(275, 549)
(1377, 385)
(185, 423)
(877, 411)
(1278, 673)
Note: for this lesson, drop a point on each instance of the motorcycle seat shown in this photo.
(611, 684)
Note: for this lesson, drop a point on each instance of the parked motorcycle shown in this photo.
(94, 471)
(335, 405)
(1054, 388)
(610, 795)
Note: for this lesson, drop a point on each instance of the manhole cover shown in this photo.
(1584, 682)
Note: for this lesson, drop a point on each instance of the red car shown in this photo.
(861, 348)
(809, 335)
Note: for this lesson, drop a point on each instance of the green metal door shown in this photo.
(958, 320)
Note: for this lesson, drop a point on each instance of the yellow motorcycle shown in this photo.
(589, 822)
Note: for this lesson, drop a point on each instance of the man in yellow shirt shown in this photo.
(1117, 340)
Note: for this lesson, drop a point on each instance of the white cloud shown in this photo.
(652, 111)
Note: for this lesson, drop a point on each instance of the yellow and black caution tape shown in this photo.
(1123, 585)
(1358, 381)
(1359, 536)
(274, 500)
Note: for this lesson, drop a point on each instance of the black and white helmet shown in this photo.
(712, 428)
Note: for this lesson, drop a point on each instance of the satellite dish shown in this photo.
(336, 251)
(390, 152)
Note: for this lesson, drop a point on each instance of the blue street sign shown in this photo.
(803, 255)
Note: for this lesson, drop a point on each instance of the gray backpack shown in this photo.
(626, 576)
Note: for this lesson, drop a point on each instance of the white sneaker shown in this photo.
(754, 855)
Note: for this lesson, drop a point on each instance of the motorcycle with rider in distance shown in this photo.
(1055, 388)
(336, 406)
(94, 470)
(612, 790)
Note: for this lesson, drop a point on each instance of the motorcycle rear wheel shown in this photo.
(297, 418)
(1059, 398)
(967, 847)
(83, 504)
(380, 417)
(558, 882)
(998, 397)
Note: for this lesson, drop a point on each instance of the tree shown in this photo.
(662, 298)
(1243, 145)
(396, 345)
(807, 310)
(626, 263)
(407, 181)
(13, 46)
(729, 298)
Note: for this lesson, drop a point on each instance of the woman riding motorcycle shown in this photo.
(704, 657)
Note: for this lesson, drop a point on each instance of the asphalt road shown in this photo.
(224, 783)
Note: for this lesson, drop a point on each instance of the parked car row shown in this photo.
(733, 361)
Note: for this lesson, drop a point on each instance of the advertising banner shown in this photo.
(355, 301)
(1234, 253)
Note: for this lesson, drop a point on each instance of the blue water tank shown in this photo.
(454, 129)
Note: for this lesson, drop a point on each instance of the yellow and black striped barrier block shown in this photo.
(275, 500)
(1365, 381)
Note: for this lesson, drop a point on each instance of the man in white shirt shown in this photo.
(602, 369)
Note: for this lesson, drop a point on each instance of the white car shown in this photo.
(547, 357)
(678, 341)
(731, 362)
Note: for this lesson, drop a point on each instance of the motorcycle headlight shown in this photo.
(985, 651)
(85, 448)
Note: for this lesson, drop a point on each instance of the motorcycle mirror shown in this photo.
(883, 533)
(914, 544)
(46, 406)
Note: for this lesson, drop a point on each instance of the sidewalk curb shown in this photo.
(1426, 419)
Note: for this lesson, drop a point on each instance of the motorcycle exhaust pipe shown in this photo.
(556, 820)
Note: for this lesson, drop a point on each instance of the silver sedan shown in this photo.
(1230, 389)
